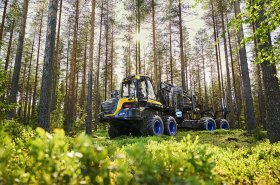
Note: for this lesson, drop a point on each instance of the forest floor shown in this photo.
(191, 157)
(220, 138)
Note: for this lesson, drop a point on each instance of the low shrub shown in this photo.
(38, 157)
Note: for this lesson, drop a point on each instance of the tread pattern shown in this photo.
(147, 127)
(203, 122)
(221, 122)
(166, 121)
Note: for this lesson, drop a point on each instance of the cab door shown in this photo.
(146, 93)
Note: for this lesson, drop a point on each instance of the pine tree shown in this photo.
(44, 105)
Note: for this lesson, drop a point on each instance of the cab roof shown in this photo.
(131, 77)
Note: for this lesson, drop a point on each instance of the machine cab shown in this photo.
(138, 87)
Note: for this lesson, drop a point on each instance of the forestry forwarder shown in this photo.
(137, 110)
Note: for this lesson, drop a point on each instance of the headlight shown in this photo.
(121, 113)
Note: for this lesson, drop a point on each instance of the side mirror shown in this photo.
(115, 94)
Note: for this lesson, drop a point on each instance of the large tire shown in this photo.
(170, 125)
(152, 125)
(116, 130)
(207, 123)
(222, 124)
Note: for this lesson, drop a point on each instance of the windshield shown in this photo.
(127, 89)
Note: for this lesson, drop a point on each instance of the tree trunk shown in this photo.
(271, 86)
(170, 45)
(200, 99)
(138, 44)
(229, 93)
(154, 45)
(186, 66)
(67, 74)
(45, 96)
(37, 67)
(83, 90)
(112, 59)
(181, 48)
(224, 102)
(240, 85)
(166, 67)
(249, 107)
(136, 57)
(71, 99)
(233, 72)
(9, 46)
(17, 67)
(129, 56)
(22, 90)
(56, 65)
(96, 111)
(90, 70)
(106, 53)
(261, 98)
(212, 86)
(205, 105)
(27, 85)
(3, 22)
(216, 50)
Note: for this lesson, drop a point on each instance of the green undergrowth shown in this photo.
(191, 157)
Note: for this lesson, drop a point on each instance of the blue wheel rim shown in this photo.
(172, 127)
(210, 126)
(225, 126)
(157, 128)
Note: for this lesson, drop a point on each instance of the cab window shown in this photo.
(142, 90)
(128, 89)
(151, 93)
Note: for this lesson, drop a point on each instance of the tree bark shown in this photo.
(271, 85)
(170, 44)
(249, 107)
(129, 55)
(10, 45)
(71, 99)
(106, 52)
(181, 48)
(83, 90)
(96, 111)
(216, 50)
(56, 65)
(37, 66)
(233, 72)
(261, 98)
(25, 118)
(22, 90)
(14, 85)
(229, 93)
(67, 74)
(138, 44)
(112, 58)
(90, 71)
(205, 105)
(224, 101)
(3, 22)
(44, 106)
(154, 45)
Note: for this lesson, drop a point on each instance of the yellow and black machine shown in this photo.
(137, 110)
